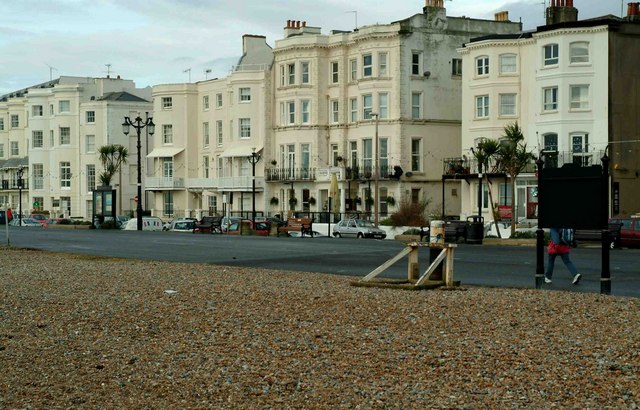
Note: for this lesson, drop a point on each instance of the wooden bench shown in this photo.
(209, 224)
(302, 225)
(595, 235)
(455, 230)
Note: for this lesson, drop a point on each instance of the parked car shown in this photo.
(358, 228)
(55, 221)
(629, 234)
(3, 217)
(149, 223)
(169, 225)
(25, 222)
(316, 234)
(186, 225)
(41, 218)
(260, 228)
(227, 221)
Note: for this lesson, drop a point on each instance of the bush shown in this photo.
(412, 231)
(410, 214)
(111, 224)
(65, 222)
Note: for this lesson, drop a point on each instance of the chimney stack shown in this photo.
(561, 11)
(633, 11)
(435, 3)
(502, 16)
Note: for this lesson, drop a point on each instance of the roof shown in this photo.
(14, 163)
(121, 96)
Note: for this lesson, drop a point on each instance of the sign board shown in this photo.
(570, 197)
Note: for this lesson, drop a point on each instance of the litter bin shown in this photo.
(436, 232)
(475, 230)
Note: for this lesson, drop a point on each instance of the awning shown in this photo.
(244, 151)
(165, 152)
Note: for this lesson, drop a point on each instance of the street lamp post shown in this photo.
(139, 124)
(19, 174)
(253, 159)
(376, 195)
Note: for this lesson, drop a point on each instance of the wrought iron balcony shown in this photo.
(367, 173)
(8, 184)
(290, 174)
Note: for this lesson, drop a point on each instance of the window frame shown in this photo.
(482, 110)
(219, 133)
(244, 95)
(514, 105)
(353, 107)
(581, 104)
(334, 72)
(503, 64)
(367, 67)
(552, 105)
(575, 58)
(367, 106)
(456, 67)
(416, 62)
(353, 67)
(90, 117)
(305, 114)
(416, 109)
(65, 175)
(167, 134)
(416, 157)
(383, 64)
(383, 106)
(34, 139)
(482, 66)
(218, 100)
(64, 137)
(305, 77)
(90, 148)
(244, 128)
(553, 59)
(334, 106)
(64, 106)
(37, 110)
(166, 103)
(205, 134)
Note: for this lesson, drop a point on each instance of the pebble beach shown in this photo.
(90, 332)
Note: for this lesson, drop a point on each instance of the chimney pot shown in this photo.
(298, 24)
(288, 23)
(304, 24)
(636, 9)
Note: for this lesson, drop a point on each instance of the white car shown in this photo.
(170, 225)
(149, 223)
(25, 222)
(316, 234)
(358, 228)
(183, 226)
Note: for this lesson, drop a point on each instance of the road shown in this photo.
(480, 265)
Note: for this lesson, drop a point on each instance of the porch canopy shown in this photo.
(165, 152)
(243, 151)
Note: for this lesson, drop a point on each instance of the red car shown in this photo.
(260, 228)
(629, 231)
(41, 218)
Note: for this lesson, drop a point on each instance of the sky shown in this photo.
(175, 41)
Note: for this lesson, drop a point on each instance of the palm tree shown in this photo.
(112, 156)
(485, 154)
(513, 157)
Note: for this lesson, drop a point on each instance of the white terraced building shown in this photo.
(54, 131)
(572, 87)
(310, 107)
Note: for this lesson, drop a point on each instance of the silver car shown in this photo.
(358, 228)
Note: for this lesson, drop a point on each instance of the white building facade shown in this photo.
(59, 129)
(555, 83)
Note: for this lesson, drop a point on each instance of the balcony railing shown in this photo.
(225, 183)
(552, 159)
(290, 174)
(164, 183)
(367, 173)
(10, 184)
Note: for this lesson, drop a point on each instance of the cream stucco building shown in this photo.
(54, 131)
(571, 87)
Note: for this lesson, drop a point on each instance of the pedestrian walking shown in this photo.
(560, 245)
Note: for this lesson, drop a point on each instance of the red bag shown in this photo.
(557, 248)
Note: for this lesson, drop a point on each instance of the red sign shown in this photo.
(504, 211)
